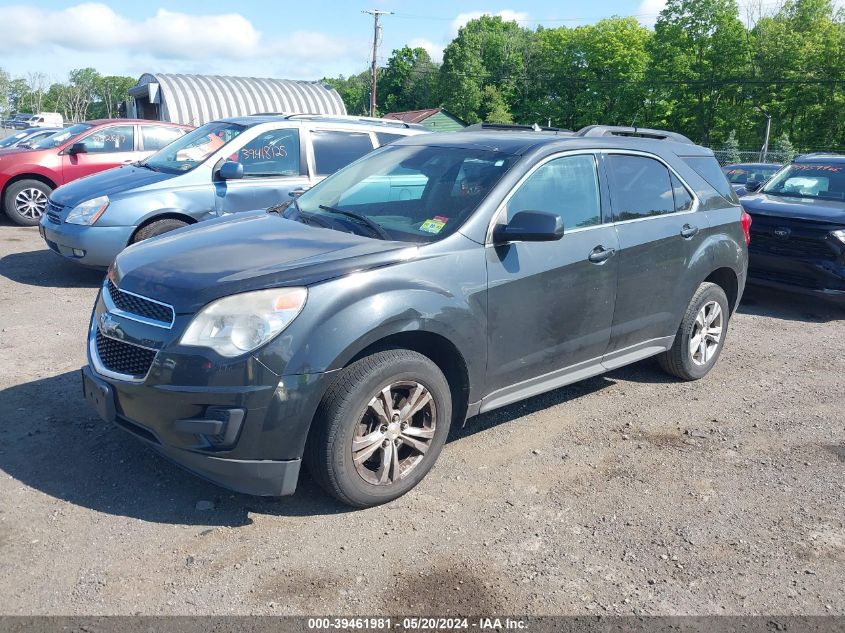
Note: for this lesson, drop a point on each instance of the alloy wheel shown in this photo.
(31, 203)
(394, 433)
(707, 333)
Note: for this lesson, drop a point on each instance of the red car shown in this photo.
(28, 176)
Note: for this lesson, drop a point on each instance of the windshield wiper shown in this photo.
(361, 218)
(145, 166)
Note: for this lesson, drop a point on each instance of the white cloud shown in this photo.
(435, 51)
(648, 10)
(166, 35)
(508, 15)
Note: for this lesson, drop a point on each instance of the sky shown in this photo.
(257, 38)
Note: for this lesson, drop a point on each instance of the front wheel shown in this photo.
(26, 201)
(158, 227)
(380, 427)
(701, 335)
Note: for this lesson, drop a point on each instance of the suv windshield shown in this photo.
(60, 137)
(809, 180)
(406, 193)
(741, 175)
(192, 149)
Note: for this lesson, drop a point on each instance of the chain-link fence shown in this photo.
(727, 157)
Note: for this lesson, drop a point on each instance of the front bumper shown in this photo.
(817, 278)
(93, 246)
(174, 405)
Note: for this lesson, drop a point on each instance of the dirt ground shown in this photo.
(627, 493)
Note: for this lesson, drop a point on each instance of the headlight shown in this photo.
(840, 235)
(234, 325)
(88, 212)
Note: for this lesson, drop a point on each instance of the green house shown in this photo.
(435, 119)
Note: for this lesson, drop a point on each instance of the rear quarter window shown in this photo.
(708, 168)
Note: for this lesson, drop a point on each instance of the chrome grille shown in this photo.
(123, 358)
(134, 304)
(54, 211)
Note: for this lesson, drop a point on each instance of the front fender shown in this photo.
(344, 316)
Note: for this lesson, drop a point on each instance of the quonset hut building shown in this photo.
(198, 99)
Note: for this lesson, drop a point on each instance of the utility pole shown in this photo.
(376, 13)
(764, 152)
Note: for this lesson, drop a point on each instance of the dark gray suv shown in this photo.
(350, 327)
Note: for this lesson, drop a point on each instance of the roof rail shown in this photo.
(342, 117)
(514, 127)
(640, 132)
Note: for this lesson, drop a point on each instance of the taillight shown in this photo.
(745, 220)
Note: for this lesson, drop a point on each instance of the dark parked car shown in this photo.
(26, 138)
(28, 176)
(798, 235)
(742, 174)
(352, 328)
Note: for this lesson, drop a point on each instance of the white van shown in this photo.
(46, 119)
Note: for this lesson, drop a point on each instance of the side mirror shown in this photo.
(753, 185)
(230, 170)
(77, 148)
(530, 226)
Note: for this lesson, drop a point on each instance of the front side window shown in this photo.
(61, 137)
(639, 187)
(273, 153)
(108, 140)
(568, 187)
(334, 149)
(14, 138)
(194, 148)
(157, 136)
(410, 193)
(809, 180)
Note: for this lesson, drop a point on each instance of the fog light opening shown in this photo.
(78, 252)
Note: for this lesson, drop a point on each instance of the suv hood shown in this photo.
(812, 209)
(107, 183)
(190, 267)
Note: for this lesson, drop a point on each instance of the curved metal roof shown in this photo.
(198, 99)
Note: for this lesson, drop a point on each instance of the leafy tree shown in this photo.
(409, 82)
(109, 91)
(354, 90)
(698, 45)
(731, 149)
(487, 51)
(493, 107)
(783, 148)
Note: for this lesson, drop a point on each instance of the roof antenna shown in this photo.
(536, 128)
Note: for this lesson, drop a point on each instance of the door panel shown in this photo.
(549, 307)
(106, 148)
(659, 234)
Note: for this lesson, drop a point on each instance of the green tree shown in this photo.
(486, 51)
(109, 91)
(698, 51)
(409, 82)
(493, 107)
(731, 149)
(354, 90)
(783, 149)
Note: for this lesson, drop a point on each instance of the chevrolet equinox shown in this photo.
(349, 327)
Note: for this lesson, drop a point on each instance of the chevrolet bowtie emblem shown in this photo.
(110, 327)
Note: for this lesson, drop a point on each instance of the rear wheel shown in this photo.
(701, 335)
(380, 428)
(26, 201)
(158, 227)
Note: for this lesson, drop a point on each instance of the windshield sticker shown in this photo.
(814, 167)
(434, 225)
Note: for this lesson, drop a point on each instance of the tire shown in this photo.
(681, 359)
(157, 227)
(26, 201)
(346, 415)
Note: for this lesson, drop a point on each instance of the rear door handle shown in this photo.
(688, 231)
(601, 254)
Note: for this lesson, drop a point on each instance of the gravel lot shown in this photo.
(627, 493)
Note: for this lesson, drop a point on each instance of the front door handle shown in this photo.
(688, 231)
(601, 254)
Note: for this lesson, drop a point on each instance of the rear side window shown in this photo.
(640, 187)
(334, 149)
(385, 138)
(708, 168)
(157, 136)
